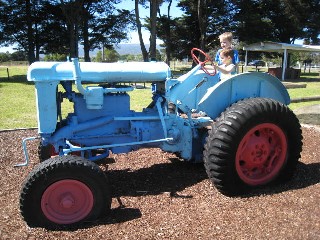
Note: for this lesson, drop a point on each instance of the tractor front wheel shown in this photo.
(46, 152)
(64, 191)
(254, 142)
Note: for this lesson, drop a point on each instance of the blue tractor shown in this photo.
(241, 128)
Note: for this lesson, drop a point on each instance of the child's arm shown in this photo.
(226, 69)
(209, 67)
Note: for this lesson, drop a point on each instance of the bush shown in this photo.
(55, 57)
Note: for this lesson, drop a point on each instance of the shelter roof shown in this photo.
(280, 47)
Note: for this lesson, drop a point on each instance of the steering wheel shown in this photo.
(207, 59)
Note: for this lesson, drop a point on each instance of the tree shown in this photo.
(251, 24)
(151, 25)
(55, 57)
(17, 20)
(107, 24)
(276, 20)
(200, 25)
(139, 26)
(72, 11)
(110, 29)
(28, 26)
(165, 23)
(5, 57)
(31, 42)
(18, 56)
(286, 19)
(57, 26)
(154, 6)
(54, 33)
(109, 55)
(202, 18)
(312, 26)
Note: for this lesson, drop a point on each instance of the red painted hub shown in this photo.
(67, 201)
(53, 152)
(261, 154)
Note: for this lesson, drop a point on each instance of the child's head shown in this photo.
(226, 55)
(226, 39)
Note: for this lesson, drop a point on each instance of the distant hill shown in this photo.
(123, 49)
(131, 48)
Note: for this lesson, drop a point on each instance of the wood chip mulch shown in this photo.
(157, 196)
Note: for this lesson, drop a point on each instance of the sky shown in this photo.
(6, 49)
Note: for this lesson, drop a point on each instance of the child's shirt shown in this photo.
(225, 76)
(235, 59)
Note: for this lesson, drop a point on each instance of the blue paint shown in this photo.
(102, 119)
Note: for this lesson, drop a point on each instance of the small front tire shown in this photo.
(64, 191)
(46, 152)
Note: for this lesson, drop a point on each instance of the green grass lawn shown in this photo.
(312, 89)
(18, 104)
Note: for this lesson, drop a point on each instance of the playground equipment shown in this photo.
(240, 128)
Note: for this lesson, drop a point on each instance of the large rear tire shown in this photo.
(64, 191)
(253, 143)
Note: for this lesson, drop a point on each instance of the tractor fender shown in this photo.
(245, 85)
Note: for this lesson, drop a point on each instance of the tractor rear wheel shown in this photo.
(253, 143)
(64, 191)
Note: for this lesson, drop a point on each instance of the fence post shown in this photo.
(8, 73)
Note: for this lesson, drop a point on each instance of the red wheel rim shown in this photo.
(52, 151)
(261, 154)
(67, 201)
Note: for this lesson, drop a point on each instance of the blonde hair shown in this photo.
(226, 36)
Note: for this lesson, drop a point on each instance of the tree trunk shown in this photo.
(138, 22)
(31, 56)
(86, 46)
(36, 43)
(72, 11)
(153, 27)
(202, 23)
(168, 42)
(76, 40)
(72, 45)
(85, 34)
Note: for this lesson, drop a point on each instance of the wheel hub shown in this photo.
(261, 154)
(67, 201)
(257, 151)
